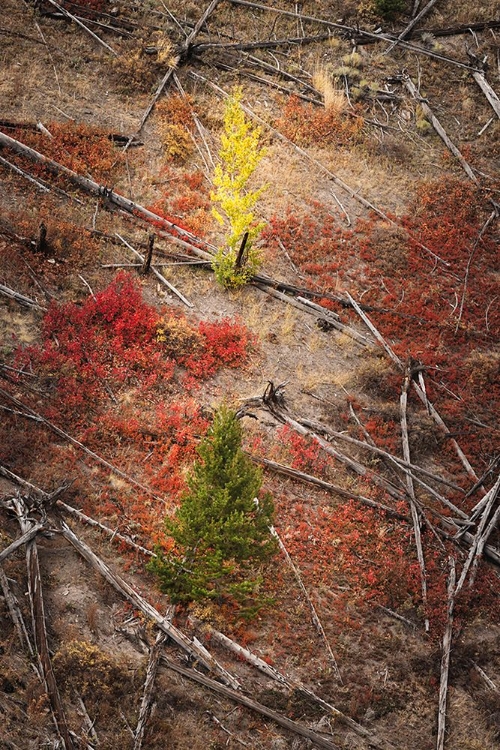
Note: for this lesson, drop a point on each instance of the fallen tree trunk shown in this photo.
(21, 298)
(158, 275)
(26, 537)
(259, 708)
(333, 488)
(144, 606)
(175, 232)
(324, 314)
(420, 391)
(292, 685)
(352, 32)
(485, 87)
(40, 632)
(16, 614)
(440, 130)
(445, 659)
(148, 694)
(408, 29)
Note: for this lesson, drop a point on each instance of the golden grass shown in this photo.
(334, 99)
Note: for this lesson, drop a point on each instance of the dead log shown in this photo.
(355, 33)
(315, 618)
(37, 182)
(439, 128)
(485, 527)
(485, 87)
(144, 606)
(21, 298)
(408, 29)
(176, 233)
(262, 44)
(420, 391)
(489, 682)
(158, 275)
(16, 614)
(114, 534)
(40, 632)
(325, 314)
(184, 50)
(445, 659)
(460, 29)
(415, 514)
(328, 486)
(148, 692)
(83, 26)
(402, 463)
(23, 539)
(291, 684)
(259, 708)
(28, 413)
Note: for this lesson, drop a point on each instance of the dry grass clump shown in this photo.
(334, 99)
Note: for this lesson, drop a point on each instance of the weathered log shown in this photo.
(331, 318)
(352, 32)
(445, 659)
(184, 50)
(40, 632)
(148, 692)
(144, 606)
(408, 29)
(420, 391)
(440, 130)
(83, 26)
(149, 256)
(259, 708)
(328, 486)
(351, 463)
(28, 413)
(315, 618)
(485, 87)
(158, 275)
(402, 463)
(23, 539)
(16, 614)
(484, 530)
(182, 236)
(415, 514)
(21, 298)
(290, 683)
(37, 182)
(114, 534)
(262, 44)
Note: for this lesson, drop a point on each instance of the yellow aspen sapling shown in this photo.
(235, 203)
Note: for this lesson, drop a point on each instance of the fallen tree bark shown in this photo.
(39, 630)
(28, 535)
(259, 708)
(333, 488)
(144, 606)
(439, 128)
(175, 232)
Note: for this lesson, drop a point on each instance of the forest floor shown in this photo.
(110, 377)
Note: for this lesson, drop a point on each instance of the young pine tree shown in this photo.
(221, 530)
(239, 157)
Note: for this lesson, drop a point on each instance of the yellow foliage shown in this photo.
(240, 154)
